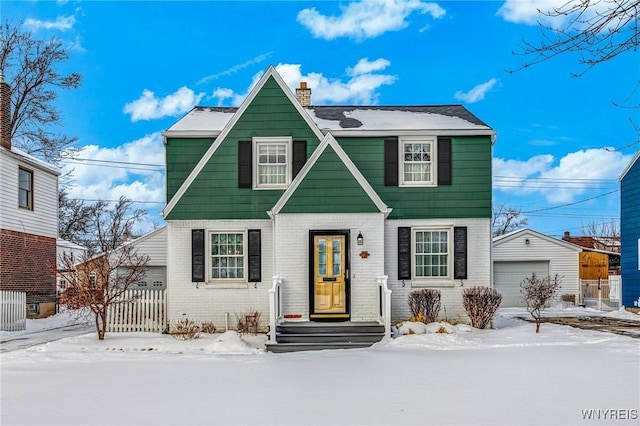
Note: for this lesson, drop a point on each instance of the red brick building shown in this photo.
(28, 220)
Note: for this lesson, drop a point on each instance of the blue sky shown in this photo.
(562, 142)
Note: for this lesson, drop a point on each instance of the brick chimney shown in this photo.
(5, 113)
(303, 93)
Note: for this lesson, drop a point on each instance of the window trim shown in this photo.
(232, 282)
(433, 141)
(260, 140)
(29, 205)
(443, 281)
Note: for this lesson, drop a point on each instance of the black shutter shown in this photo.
(444, 161)
(255, 259)
(460, 253)
(244, 164)
(197, 255)
(404, 253)
(391, 162)
(299, 156)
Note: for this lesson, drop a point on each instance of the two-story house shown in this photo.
(28, 220)
(630, 232)
(324, 214)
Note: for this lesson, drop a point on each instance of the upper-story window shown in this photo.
(417, 161)
(25, 188)
(272, 162)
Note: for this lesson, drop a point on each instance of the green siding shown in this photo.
(214, 194)
(182, 155)
(329, 187)
(468, 197)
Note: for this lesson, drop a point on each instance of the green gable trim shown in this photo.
(213, 192)
(329, 187)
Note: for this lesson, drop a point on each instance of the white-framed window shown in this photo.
(432, 253)
(227, 256)
(25, 188)
(417, 161)
(272, 162)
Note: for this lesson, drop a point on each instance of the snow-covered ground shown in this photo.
(509, 376)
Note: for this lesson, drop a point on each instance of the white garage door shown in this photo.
(507, 277)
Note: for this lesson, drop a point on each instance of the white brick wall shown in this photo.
(212, 302)
(478, 266)
(292, 245)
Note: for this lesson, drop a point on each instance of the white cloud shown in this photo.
(364, 66)
(105, 179)
(560, 181)
(366, 19)
(477, 93)
(62, 23)
(148, 107)
(532, 12)
(361, 88)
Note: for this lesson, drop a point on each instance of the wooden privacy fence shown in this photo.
(147, 311)
(13, 310)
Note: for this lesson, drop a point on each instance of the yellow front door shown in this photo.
(330, 274)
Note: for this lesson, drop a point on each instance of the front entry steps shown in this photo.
(313, 336)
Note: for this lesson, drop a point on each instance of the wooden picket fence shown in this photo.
(147, 311)
(13, 310)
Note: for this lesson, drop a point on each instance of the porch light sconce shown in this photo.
(360, 239)
(527, 242)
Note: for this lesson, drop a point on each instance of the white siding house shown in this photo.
(518, 254)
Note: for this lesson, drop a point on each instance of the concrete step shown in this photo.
(299, 347)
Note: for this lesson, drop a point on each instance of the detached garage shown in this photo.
(518, 254)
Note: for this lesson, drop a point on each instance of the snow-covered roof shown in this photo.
(347, 118)
(33, 161)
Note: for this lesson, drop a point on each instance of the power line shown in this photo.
(77, 159)
(574, 203)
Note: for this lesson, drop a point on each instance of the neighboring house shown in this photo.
(67, 250)
(630, 232)
(520, 253)
(153, 245)
(607, 248)
(28, 220)
(308, 213)
(609, 244)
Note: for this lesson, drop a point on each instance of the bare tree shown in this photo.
(599, 30)
(75, 218)
(30, 67)
(101, 281)
(605, 235)
(538, 292)
(506, 219)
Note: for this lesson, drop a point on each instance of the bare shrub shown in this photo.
(185, 329)
(249, 321)
(425, 304)
(481, 304)
(538, 292)
(208, 327)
